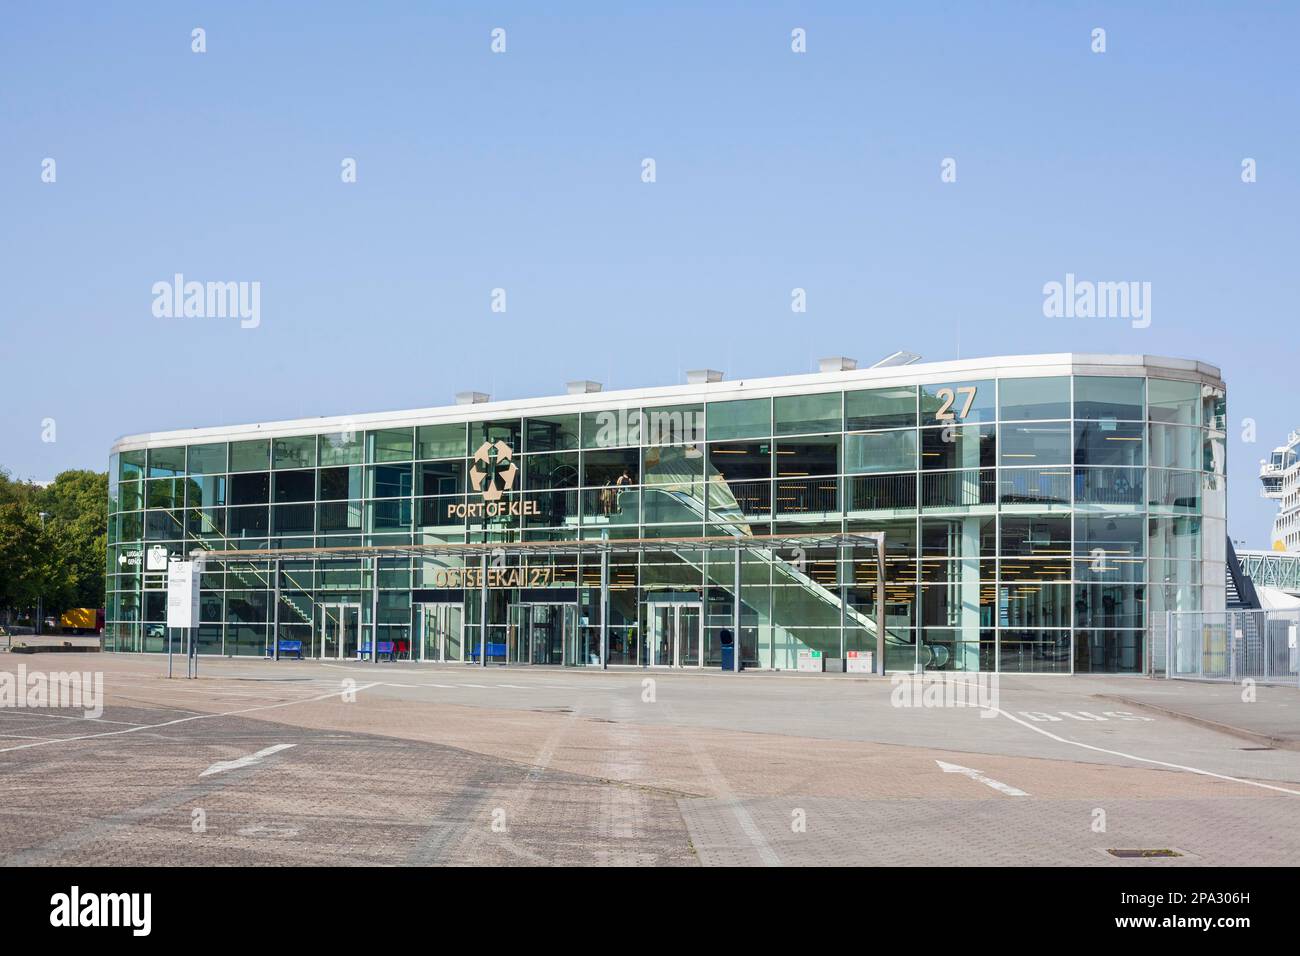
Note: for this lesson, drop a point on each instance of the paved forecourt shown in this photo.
(354, 762)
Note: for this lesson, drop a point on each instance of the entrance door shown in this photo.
(338, 627)
(544, 634)
(676, 637)
(546, 637)
(440, 632)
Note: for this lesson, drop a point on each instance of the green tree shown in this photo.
(60, 559)
(76, 531)
(21, 572)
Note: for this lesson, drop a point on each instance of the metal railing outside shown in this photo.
(1233, 645)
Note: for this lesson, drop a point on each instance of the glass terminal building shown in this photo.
(1040, 514)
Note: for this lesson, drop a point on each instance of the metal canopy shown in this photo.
(850, 539)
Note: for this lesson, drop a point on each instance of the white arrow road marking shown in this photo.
(987, 781)
(223, 765)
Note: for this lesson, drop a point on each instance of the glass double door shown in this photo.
(543, 634)
(676, 635)
(440, 632)
(338, 630)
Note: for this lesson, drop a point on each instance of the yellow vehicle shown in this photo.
(82, 620)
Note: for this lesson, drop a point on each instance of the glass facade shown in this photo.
(1033, 524)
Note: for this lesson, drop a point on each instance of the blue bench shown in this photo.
(291, 647)
(492, 650)
(385, 647)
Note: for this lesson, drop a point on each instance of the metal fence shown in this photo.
(1233, 646)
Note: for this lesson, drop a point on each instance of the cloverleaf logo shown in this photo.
(493, 470)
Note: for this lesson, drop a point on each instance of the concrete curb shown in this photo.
(1279, 743)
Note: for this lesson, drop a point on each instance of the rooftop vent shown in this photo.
(897, 358)
(837, 363)
(472, 398)
(702, 376)
(583, 387)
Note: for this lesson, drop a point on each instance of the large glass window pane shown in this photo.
(1175, 538)
(340, 483)
(808, 457)
(961, 446)
(130, 496)
(796, 414)
(881, 492)
(441, 441)
(619, 466)
(1214, 454)
(207, 459)
(1110, 486)
(748, 418)
(441, 477)
(1034, 548)
(1108, 652)
(295, 485)
(250, 455)
(338, 517)
(1178, 491)
(1109, 536)
(553, 433)
(131, 464)
(877, 452)
(1109, 442)
(1215, 408)
(741, 460)
(958, 402)
(296, 452)
(1034, 604)
(293, 519)
(1022, 399)
(389, 444)
(390, 481)
(163, 525)
(672, 424)
(1103, 396)
(340, 448)
(1043, 443)
(166, 462)
(206, 522)
(247, 522)
(1176, 446)
(206, 491)
(1174, 402)
(390, 516)
(1034, 651)
(506, 430)
(250, 489)
(672, 463)
(880, 408)
(1109, 605)
(611, 428)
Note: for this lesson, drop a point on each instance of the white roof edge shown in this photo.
(1026, 366)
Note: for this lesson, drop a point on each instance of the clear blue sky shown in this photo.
(522, 171)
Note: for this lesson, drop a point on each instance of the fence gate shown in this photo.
(1233, 646)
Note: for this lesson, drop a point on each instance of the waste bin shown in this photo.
(728, 650)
